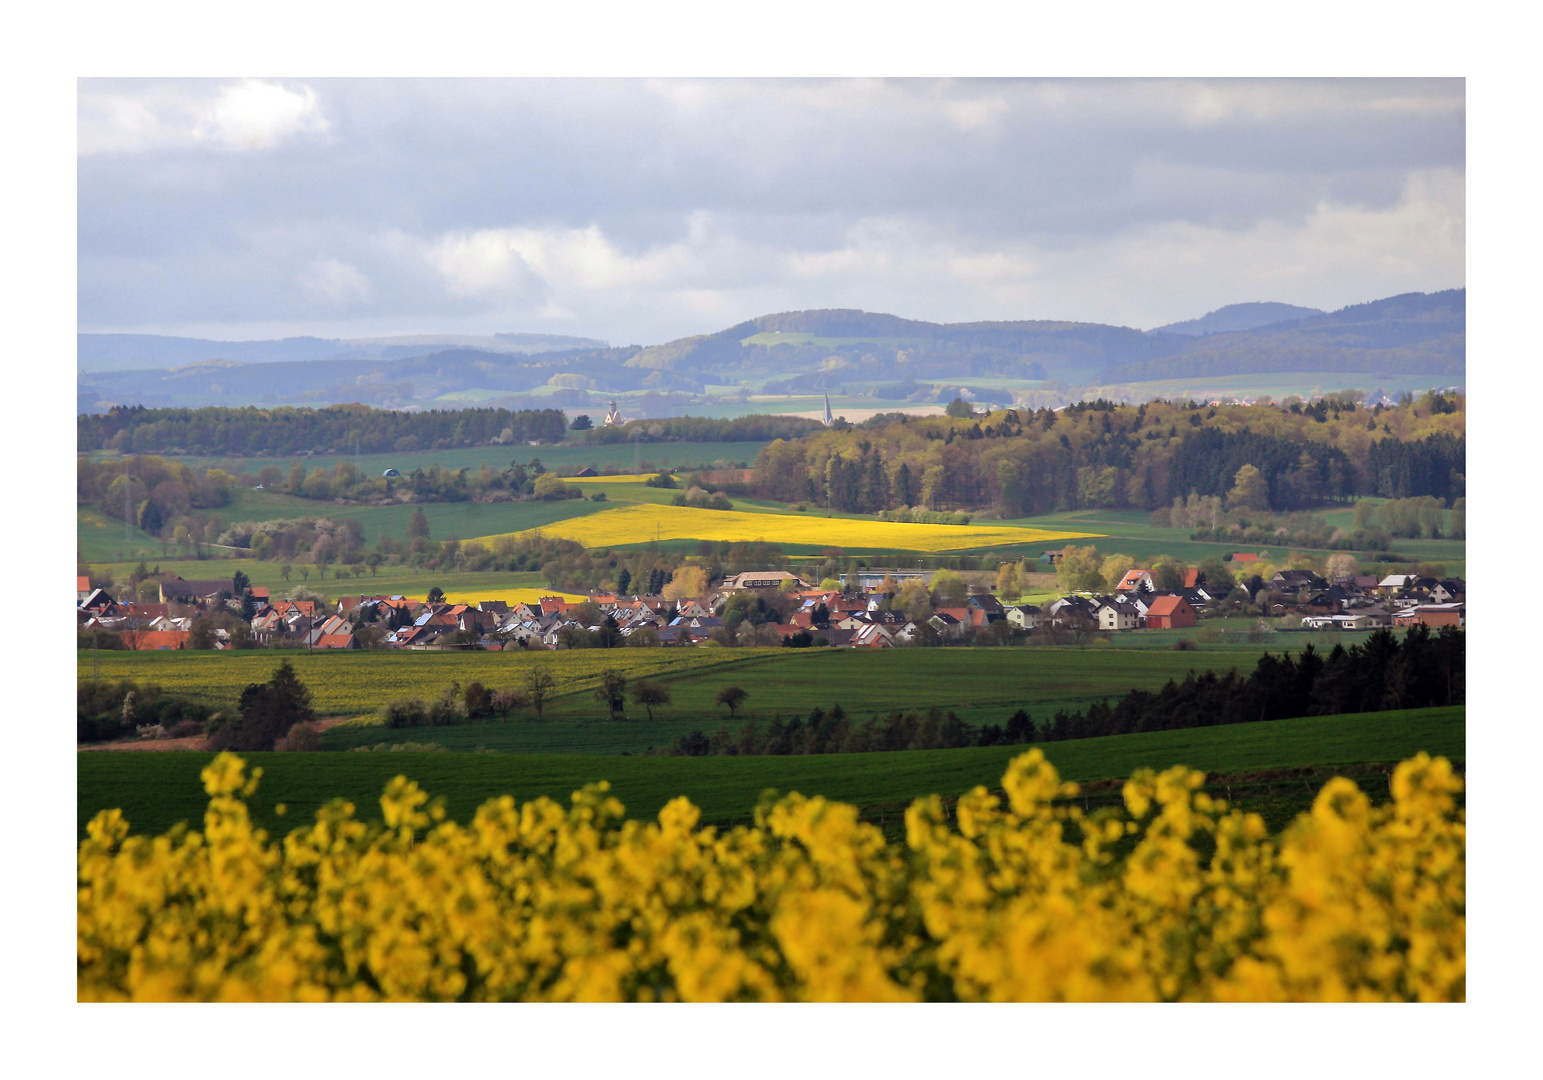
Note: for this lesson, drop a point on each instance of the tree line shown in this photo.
(1421, 671)
(267, 432)
(1102, 455)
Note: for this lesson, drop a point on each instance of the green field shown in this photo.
(571, 453)
(981, 685)
(156, 790)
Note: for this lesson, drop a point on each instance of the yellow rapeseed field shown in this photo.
(643, 522)
(1023, 899)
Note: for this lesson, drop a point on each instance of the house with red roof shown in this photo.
(1136, 581)
(1169, 612)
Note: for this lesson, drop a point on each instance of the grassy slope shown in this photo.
(982, 685)
(157, 790)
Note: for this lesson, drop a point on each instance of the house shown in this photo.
(694, 609)
(1244, 557)
(1431, 615)
(1136, 581)
(1023, 616)
(82, 589)
(1193, 577)
(1292, 581)
(586, 472)
(871, 636)
(993, 607)
(1396, 583)
(155, 640)
(1445, 592)
(1069, 610)
(1050, 558)
(1114, 614)
(98, 601)
(946, 624)
(1169, 612)
(336, 641)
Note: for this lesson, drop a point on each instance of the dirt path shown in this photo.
(192, 742)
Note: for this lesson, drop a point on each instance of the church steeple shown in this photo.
(829, 419)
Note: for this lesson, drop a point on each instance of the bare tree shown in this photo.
(539, 685)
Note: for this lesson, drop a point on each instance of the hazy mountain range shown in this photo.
(133, 352)
(888, 358)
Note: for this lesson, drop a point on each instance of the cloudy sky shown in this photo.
(640, 211)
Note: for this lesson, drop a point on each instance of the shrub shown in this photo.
(477, 701)
(405, 713)
(300, 737)
(1023, 896)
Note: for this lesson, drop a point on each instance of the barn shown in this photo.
(1169, 613)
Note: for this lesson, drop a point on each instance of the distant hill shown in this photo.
(1238, 317)
(1410, 338)
(1415, 333)
(139, 352)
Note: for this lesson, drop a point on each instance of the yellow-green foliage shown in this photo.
(1026, 901)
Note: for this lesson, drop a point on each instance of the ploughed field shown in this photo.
(983, 685)
(1274, 768)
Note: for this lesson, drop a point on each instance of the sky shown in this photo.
(639, 211)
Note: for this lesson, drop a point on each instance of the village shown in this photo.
(228, 613)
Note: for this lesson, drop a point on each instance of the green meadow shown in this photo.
(980, 685)
(1274, 767)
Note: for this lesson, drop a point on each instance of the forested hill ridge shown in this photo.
(1238, 317)
(1416, 333)
(1013, 463)
(132, 352)
(1414, 341)
(254, 432)
(1422, 333)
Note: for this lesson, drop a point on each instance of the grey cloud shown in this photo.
(378, 175)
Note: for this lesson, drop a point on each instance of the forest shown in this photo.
(255, 432)
(1101, 455)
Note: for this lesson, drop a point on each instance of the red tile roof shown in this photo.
(1164, 605)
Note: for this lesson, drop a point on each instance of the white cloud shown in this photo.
(333, 283)
(251, 114)
(490, 262)
(257, 115)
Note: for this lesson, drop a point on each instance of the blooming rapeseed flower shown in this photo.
(1028, 900)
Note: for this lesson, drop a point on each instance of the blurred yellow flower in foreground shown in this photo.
(1175, 897)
